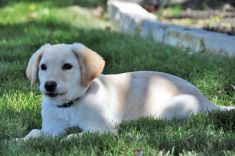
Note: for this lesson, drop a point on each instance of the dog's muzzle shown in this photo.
(50, 86)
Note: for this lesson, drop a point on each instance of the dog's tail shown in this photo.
(215, 107)
(226, 108)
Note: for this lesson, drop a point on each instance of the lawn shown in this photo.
(25, 26)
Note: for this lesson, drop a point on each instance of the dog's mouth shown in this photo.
(54, 94)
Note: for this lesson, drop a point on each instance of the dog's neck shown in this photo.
(68, 104)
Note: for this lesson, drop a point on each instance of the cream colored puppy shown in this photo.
(75, 94)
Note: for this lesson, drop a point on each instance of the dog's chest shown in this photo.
(69, 117)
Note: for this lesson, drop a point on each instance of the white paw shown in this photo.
(16, 140)
(73, 136)
(35, 133)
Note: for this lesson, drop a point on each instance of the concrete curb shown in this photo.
(128, 16)
(132, 18)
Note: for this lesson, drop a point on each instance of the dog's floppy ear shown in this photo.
(91, 63)
(33, 63)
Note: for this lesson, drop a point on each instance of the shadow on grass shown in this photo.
(203, 133)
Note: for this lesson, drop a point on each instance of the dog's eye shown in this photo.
(67, 66)
(43, 67)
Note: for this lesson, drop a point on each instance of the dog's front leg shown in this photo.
(51, 128)
(54, 127)
(35, 133)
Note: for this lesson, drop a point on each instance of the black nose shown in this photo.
(50, 86)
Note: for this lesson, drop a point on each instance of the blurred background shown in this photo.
(213, 15)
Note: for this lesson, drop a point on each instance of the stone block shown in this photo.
(128, 16)
(153, 29)
(219, 43)
(184, 38)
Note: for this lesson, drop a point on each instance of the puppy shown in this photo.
(76, 94)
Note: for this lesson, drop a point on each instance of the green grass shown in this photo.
(25, 26)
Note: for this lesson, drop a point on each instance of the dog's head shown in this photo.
(65, 71)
